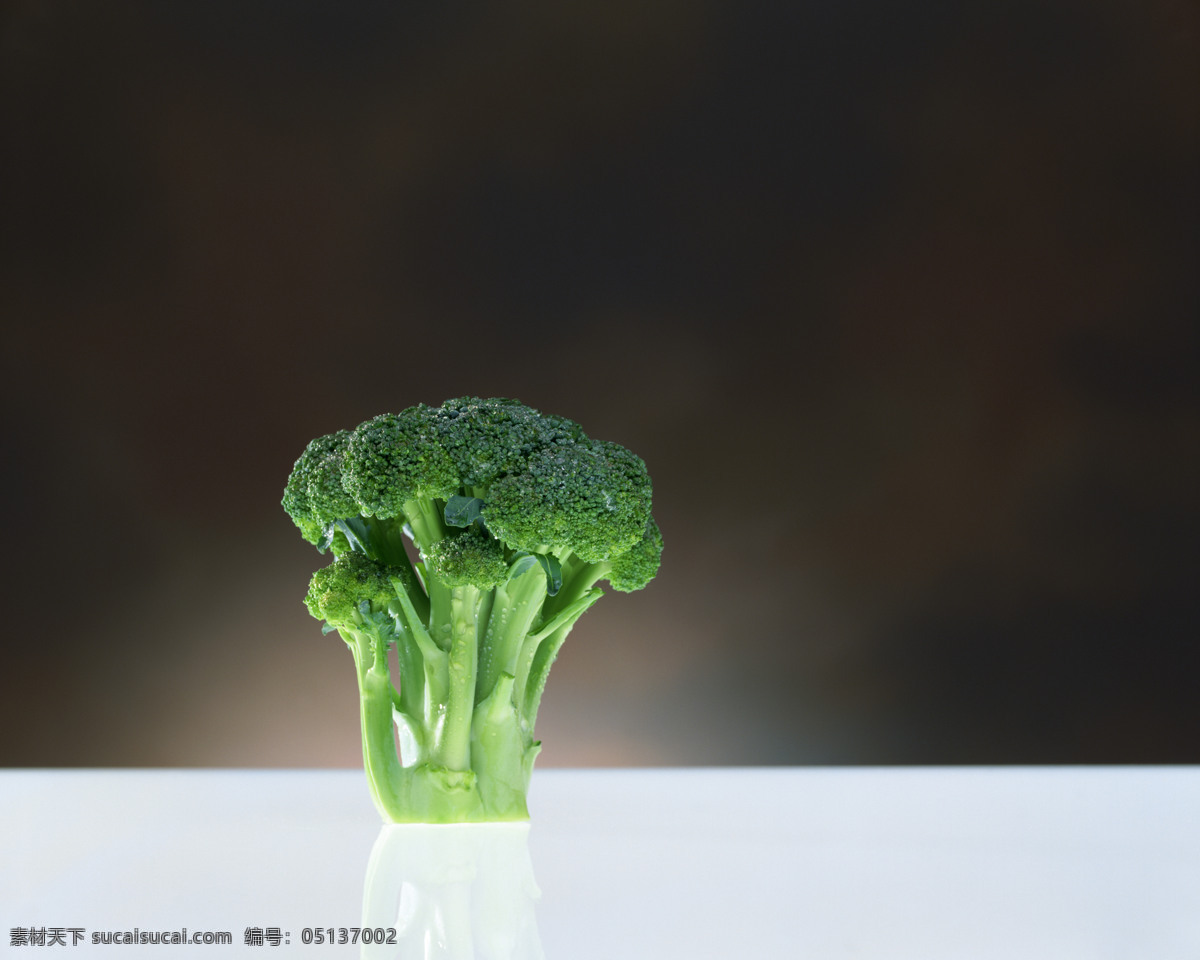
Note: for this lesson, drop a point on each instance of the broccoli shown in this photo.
(514, 517)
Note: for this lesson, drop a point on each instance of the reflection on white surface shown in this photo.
(768, 864)
(460, 892)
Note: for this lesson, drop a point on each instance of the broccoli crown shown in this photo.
(471, 558)
(538, 482)
(336, 593)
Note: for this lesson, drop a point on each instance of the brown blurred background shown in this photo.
(898, 302)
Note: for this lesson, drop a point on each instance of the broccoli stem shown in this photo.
(441, 613)
(502, 753)
(411, 697)
(455, 752)
(426, 519)
(380, 760)
(516, 605)
(473, 665)
(411, 584)
(541, 649)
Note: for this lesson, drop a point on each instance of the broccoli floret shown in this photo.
(638, 565)
(336, 593)
(590, 498)
(315, 496)
(395, 458)
(486, 438)
(468, 559)
(513, 518)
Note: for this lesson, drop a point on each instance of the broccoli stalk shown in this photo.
(514, 517)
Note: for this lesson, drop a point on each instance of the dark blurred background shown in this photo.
(897, 301)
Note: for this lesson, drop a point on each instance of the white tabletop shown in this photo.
(1024, 863)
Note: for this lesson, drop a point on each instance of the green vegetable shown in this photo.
(514, 517)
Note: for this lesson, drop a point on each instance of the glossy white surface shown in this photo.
(826, 863)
